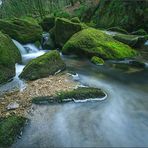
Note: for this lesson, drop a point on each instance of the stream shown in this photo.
(120, 120)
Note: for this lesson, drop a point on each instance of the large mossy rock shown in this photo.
(91, 42)
(131, 40)
(9, 55)
(64, 29)
(48, 23)
(43, 66)
(22, 30)
(10, 128)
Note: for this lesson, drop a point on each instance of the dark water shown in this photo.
(120, 120)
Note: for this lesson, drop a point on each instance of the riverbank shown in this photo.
(42, 87)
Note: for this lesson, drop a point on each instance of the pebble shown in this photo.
(12, 106)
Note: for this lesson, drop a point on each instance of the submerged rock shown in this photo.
(43, 66)
(131, 40)
(22, 30)
(97, 60)
(64, 29)
(91, 42)
(9, 55)
(10, 128)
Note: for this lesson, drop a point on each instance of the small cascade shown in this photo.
(20, 47)
(28, 52)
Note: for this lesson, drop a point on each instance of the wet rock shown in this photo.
(13, 106)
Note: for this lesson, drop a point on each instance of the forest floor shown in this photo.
(42, 87)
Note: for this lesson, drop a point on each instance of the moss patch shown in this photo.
(21, 30)
(9, 55)
(43, 66)
(80, 93)
(9, 129)
(91, 42)
(97, 60)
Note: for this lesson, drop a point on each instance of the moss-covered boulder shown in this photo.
(21, 30)
(48, 23)
(10, 128)
(9, 55)
(64, 29)
(97, 60)
(43, 66)
(91, 42)
(131, 40)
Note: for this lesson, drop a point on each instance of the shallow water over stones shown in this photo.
(121, 120)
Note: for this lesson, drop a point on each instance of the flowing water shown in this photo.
(120, 120)
(28, 52)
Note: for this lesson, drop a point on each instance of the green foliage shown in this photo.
(91, 42)
(9, 55)
(129, 15)
(9, 129)
(22, 30)
(97, 60)
(43, 66)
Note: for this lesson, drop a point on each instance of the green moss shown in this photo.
(48, 23)
(9, 55)
(21, 30)
(80, 93)
(91, 42)
(64, 29)
(43, 66)
(131, 40)
(117, 29)
(9, 129)
(75, 20)
(97, 60)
